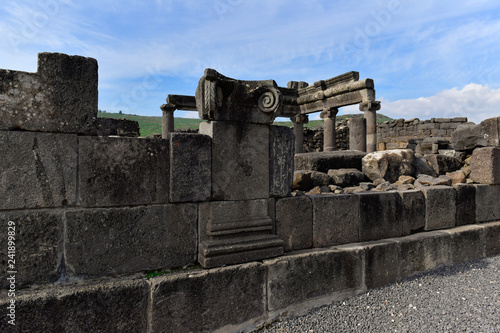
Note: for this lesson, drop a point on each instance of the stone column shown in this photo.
(357, 134)
(167, 120)
(298, 129)
(328, 116)
(370, 114)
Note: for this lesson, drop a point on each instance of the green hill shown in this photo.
(152, 125)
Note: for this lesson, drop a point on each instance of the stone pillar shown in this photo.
(298, 129)
(328, 116)
(167, 120)
(370, 114)
(357, 134)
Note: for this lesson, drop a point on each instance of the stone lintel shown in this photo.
(182, 102)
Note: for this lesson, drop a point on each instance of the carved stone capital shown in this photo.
(369, 106)
(168, 108)
(329, 113)
(300, 119)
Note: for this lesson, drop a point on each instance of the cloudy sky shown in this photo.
(427, 58)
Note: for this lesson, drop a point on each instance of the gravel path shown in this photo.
(460, 298)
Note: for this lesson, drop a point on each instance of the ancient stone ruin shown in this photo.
(232, 227)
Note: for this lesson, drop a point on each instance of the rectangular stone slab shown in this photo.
(324, 161)
(38, 170)
(380, 215)
(281, 159)
(294, 222)
(440, 207)
(487, 203)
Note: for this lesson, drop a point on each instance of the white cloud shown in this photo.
(474, 101)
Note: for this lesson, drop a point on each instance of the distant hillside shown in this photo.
(152, 125)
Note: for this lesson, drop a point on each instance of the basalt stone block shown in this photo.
(381, 263)
(487, 203)
(117, 306)
(120, 127)
(442, 163)
(294, 222)
(37, 170)
(336, 219)
(38, 239)
(413, 211)
(485, 134)
(281, 159)
(466, 204)
(128, 240)
(440, 207)
(492, 238)
(485, 166)
(60, 97)
(190, 167)
(312, 279)
(240, 170)
(229, 299)
(324, 161)
(389, 164)
(346, 177)
(122, 171)
(467, 243)
(380, 216)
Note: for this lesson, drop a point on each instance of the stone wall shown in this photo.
(313, 138)
(91, 215)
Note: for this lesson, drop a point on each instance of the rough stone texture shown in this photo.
(190, 167)
(317, 278)
(433, 181)
(413, 211)
(336, 219)
(281, 159)
(122, 171)
(37, 170)
(422, 166)
(487, 203)
(238, 151)
(229, 299)
(38, 241)
(320, 178)
(346, 177)
(120, 127)
(389, 164)
(492, 238)
(467, 243)
(324, 161)
(294, 222)
(485, 166)
(381, 263)
(60, 97)
(466, 204)
(485, 134)
(380, 216)
(232, 232)
(129, 240)
(118, 306)
(302, 180)
(440, 207)
(457, 177)
(357, 134)
(442, 163)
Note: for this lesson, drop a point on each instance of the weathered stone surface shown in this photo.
(281, 159)
(346, 177)
(117, 306)
(129, 240)
(380, 216)
(122, 171)
(60, 97)
(336, 219)
(37, 170)
(38, 242)
(422, 166)
(227, 299)
(294, 222)
(433, 181)
(389, 164)
(357, 134)
(311, 279)
(485, 166)
(492, 238)
(413, 211)
(302, 180)
(234, 232)
(485, 134)
(457, 177)
(442, 163)
(381, 263)
(120, 127)
(402, 180)
(190, 167)
(320, 178)
(466, 204)
(324, 161)
(467, 243)
(238, 150)
(487, 203)
(440, 207)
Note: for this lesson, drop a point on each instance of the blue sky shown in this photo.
(427, 58)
